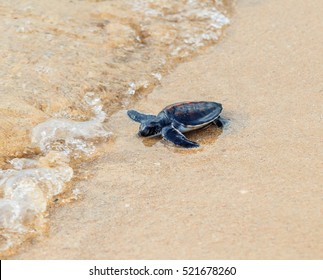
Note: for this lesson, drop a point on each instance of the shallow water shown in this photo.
(66, 66)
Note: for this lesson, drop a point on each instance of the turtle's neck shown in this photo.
(163, 119)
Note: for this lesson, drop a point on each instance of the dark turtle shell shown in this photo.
(194, 113)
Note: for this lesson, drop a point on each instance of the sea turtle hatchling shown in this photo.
(179, 118)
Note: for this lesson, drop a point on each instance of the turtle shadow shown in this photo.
(149, 142)
(203, 136)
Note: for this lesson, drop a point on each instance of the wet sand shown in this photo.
(252, 191)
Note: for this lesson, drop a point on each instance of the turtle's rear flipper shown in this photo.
(139, 117)
(173, 135)
(221, 122)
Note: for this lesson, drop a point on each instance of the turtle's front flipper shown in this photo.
(139, 117)
(173, 135)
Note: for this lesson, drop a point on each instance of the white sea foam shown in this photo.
(72, 137)
(26, 191)
(27, 188)
(132, 88)
(193, 24)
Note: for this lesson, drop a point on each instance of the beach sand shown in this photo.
(252, 191)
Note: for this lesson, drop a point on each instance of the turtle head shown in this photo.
(150, 129)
